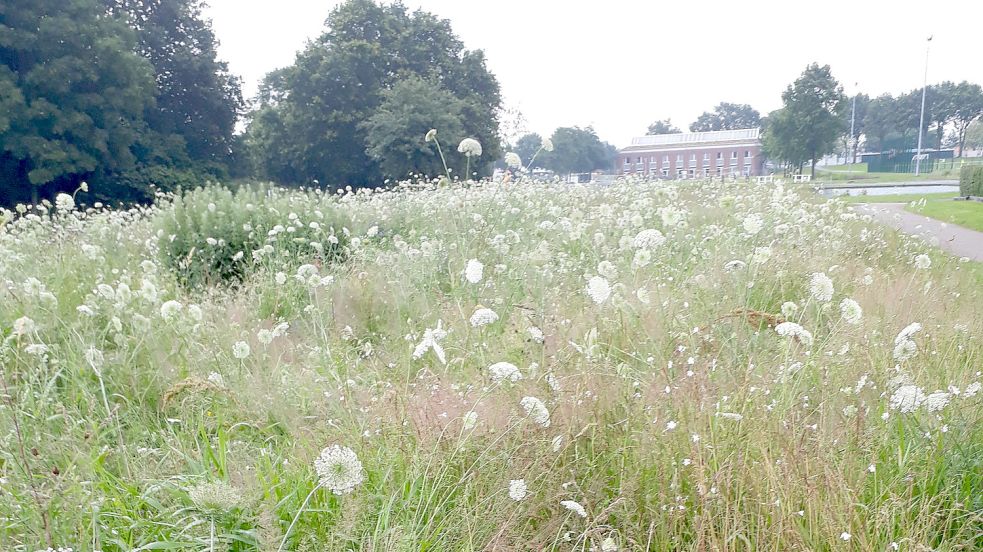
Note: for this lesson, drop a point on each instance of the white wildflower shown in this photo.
(513, 160)
(821, 287)
(339, 469)
(517, 489)
(240, 350)
(474, 271)
(504, 371)
(907, 399)
(470, 147)
(649, 239)
(574, 507)
(431, 340)
(598, 289)
(922, 261)
(850, 311)
(536, 410)
(482, 317)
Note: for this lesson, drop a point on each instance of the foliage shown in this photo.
(968, 107)
(526, 148)
(810, 121)
(680, 417)
(197, 98)
(578, 150)
(215, 235)
(395, 131)
(662, 127)
(309, 124)
(72, 95)
(971, 181)
(727, 116)
(974, 135)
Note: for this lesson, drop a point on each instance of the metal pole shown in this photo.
(921, 119)
(853, 119)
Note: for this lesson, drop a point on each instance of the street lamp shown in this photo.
(921, 119)
(853, 119)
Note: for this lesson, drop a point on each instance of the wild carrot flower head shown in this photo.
(339, 469)
(470, 147)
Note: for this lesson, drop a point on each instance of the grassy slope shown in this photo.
(964, 213)
(896, 198)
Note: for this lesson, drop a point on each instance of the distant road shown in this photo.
(959, 241)
(912, 183)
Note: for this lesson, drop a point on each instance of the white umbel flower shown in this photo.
(431, 340)
(517, 489)
(536, 410)
(474, 271)
(470, 147)
(512, 160)
(504, 371)
(483, 316)
(649, 239)
(821, 287)
(547, 144)
(608, 545)
(64, 203)
(598, 289)
(574, 507)
(339, 469)
(753, 224)
(936, 402)
(922, 262)
(170, 309)
(850, 311)
(907, 399)
(240, 350)
(215, 498)
(795, 331)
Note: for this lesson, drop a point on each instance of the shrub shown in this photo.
(213, 234)
(971, 181)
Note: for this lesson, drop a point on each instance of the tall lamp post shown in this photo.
(853, 120)
(921, 118)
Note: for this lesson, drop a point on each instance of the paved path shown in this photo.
(904, 184)
(961, 242)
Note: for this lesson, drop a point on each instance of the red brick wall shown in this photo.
(757, 162)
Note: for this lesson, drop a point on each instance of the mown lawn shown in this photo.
(898, 198)
(964, 213)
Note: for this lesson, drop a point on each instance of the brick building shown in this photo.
(694, 154)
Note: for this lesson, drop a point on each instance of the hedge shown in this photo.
(971, 181)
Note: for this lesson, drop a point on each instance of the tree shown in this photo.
(727, 116)
(813, 118)
(197, 98)
(967, 102)
(395, 132)
(73, 93)
(940, 108)
(855, 112)
(778, 140)
(578, 150)
(879, 122)
(309, 126)
(974, 135)
(527, 146)
(662, 127)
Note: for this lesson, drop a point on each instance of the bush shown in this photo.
(971, 181)
(216, 235)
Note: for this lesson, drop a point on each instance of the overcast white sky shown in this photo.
(620, 64)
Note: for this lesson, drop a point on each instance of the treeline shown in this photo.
(130, 97)
(126, 94)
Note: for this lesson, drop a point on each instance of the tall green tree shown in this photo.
(727, 116)
(309, 124)
(73, 93)
(526, 148)
(578, 150)
(879, 122)
(940, 108)
(967, 100)
(855, 112)
(197, 98)
(812, 113)
(778, 140)
(662, 127)
(395, 132)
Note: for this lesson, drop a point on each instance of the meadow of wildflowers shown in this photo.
(501, 366)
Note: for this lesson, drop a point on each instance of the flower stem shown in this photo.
(297, 516)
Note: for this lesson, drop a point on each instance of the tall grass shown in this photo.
(679, 418)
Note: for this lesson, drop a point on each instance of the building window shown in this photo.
(747, 154)
(706, 156)
(679, 159)
(665, 173)
(733, 155)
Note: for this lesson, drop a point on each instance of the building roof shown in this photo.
(691, 139)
